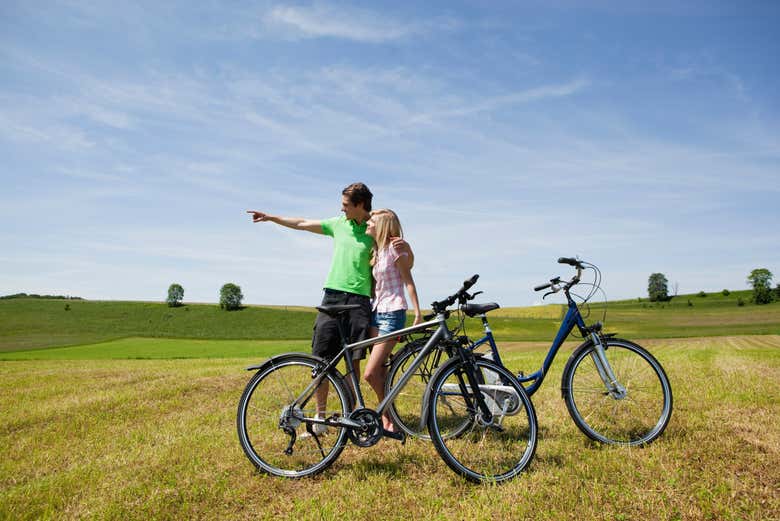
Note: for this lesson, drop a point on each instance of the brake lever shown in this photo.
(475, 294)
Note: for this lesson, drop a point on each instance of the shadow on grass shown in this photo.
(397, 464)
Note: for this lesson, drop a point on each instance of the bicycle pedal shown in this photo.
(400, 436)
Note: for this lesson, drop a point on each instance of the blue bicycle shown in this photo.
(615, 390)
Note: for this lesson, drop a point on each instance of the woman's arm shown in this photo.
(404, 264)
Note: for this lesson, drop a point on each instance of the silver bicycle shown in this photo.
(297, 411)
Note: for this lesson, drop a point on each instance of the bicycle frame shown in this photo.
(441, 333)
(533, 381)
(572, 318)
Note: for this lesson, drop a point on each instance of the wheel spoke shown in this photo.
(266, 414)
(477, 451)
(636, 417)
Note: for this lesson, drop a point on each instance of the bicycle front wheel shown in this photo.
(488, 450)
(635, 416)
(407, 409)
(272, 414)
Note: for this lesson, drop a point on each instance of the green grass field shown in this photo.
(155, 439)
(126, 410)
(38, 323)
(34, 323)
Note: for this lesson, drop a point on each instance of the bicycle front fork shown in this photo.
(599, 356)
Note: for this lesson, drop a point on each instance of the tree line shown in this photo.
(34, 295)
(230, 296)
(760, 279)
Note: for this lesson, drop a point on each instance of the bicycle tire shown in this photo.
(482, 453)
(271, 391)
(636, 419)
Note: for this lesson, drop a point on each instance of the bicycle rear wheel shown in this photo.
(635, 418)
(266, 409)
(491, 451)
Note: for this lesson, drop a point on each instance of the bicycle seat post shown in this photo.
(485, 324)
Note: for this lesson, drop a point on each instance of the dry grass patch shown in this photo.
(142, 439)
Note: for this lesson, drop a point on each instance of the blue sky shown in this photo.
(134, 136)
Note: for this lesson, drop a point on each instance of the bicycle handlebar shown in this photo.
(468, 283)
(461, 296)
(571, 261)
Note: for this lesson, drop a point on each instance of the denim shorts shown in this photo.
(389, 321)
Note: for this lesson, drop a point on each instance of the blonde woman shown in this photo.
(392, 271)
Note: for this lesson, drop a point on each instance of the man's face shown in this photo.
(350, 210)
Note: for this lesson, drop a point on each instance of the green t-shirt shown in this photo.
(350, 270)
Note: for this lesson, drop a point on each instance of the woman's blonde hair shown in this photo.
(387, 226)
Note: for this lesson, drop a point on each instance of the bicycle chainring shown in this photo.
(370, 431)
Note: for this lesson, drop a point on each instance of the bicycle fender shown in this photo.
(278, 359)
(281, 358)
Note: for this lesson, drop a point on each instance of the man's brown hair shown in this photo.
(359, 193)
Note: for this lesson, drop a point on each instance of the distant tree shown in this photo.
(657, 288)
(726, 293)
(230, 297)
(761, 280)
(701, 294)
(777, 292)
(175, 295)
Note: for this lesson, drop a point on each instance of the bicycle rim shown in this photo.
(482, 453)
(635, 419)
(267, 396)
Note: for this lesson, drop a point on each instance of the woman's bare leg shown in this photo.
(376, 375)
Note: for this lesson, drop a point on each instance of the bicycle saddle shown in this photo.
(478, 309)
(337, 308)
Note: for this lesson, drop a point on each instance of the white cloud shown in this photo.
(496, 102)
(323, 21)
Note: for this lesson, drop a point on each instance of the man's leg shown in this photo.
(358, 325)
(325, 344)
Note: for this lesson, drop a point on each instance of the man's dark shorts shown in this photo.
(326, 342)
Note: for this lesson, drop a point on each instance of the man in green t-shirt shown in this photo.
(349, 279)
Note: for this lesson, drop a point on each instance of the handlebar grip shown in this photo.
(570, 261)
(543, 286)
(469, 282)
